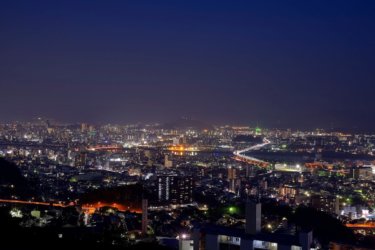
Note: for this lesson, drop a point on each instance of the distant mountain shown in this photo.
(185, 123)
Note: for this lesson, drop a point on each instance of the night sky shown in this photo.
(298, 64)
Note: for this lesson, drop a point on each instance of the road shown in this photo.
(242, 157)
(89, 208)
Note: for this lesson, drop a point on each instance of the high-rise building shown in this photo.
(231, 173)
(167, 163)
(249, 171)
(364, 173)
(84, 127)
(232, 179)
(183, 140)
(81, 159)
(173, 189)
(253, 217)
(329, 204)
(288, 191)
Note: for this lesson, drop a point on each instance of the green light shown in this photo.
(232, 210)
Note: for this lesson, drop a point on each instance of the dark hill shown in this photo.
(131, 195)
(12, 182)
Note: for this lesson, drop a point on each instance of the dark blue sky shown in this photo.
(298, 64)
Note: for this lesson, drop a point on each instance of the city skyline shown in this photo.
(187, 125)
(301, 65)
(184, 122)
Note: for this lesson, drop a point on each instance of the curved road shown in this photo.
(240, 153)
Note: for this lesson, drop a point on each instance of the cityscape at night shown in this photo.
(187, 125)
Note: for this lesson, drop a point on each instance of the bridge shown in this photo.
(240, 156)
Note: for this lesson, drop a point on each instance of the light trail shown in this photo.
(34, 203)
(242, 157)
(89, 208)
(368, 225)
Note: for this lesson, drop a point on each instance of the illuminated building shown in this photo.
(183, 148)
(81, 159)
(147, 153)
(288, 191)
(173, 189)
(185, 242)
(214, 237)
(289, 168)
(232, 179)
(167, 163)
(84, 127)
(341, 246)
(182, 140)
(364, 173)
(329, 204)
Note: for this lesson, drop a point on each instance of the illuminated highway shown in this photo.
(88, 208)
(367, 225)
(240, 156)
(34, 203)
